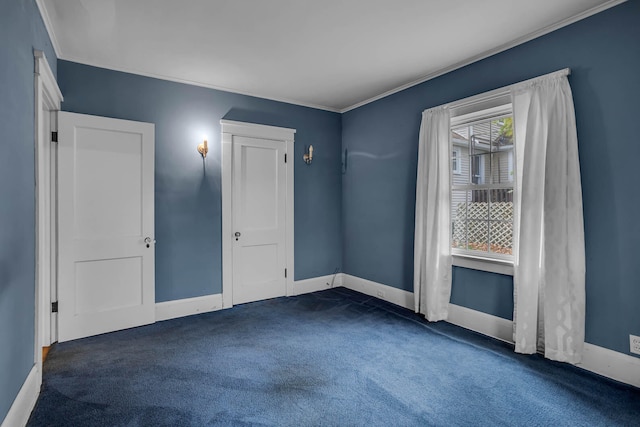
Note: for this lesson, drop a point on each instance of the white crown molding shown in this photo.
(49, 26)
(25, 401)
(491, 52)
(196, 83)
(568, 21)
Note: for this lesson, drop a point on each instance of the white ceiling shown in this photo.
(330, 54)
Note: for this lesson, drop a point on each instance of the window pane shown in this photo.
(502, 167)
(478, 221)
(502, 150)
(459, 219)
(481, 167)
(502, 133)
(460, 155)
(482, 220)
(501, 221)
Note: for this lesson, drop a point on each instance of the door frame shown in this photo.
(229, 129)
(47, 101)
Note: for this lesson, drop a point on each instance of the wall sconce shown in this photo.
(203, 149)
(308, 155)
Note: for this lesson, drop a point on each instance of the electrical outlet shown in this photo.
(380, 294)
(634, 344)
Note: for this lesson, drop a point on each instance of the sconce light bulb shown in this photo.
(203, 148)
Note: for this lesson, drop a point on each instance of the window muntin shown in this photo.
(482, 199)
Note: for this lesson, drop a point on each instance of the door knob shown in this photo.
(237, 234)
(148, 241)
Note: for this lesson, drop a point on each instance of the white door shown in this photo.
(259, 203)
(106, 225)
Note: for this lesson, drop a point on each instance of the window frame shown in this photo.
(483, 109)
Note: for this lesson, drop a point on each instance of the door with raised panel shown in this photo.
(106, 225)
(259, 203)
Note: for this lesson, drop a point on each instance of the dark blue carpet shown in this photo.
(335, 357)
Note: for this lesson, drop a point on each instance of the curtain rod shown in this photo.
(496, 93)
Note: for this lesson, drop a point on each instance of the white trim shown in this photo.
(531, 36)
(603, 361)
(50, 85)
(254, 130)
(483, 264)
(496, 107)
(315, 284)
(227, 219)
(46, 19)
(490, 52)
(229, 129)
(289, 211)
(196, 83)
(187, 307)
(486, 324)
(384, 292)
(25, 401)
(47, 100)
(612, 364)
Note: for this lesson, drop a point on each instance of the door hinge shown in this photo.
(285, 157)
(54, 307)
(285, 273)
(54, 136)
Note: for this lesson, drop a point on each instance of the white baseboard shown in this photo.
(316, 284)
(477, 321)
(388, 293)
(187, 307)
(612, 364)
(608, 363)
(204, 304)
(25, 401)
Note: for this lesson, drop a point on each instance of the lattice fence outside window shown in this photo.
(477, 226)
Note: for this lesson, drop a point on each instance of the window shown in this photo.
(456, 168)
(482, 197)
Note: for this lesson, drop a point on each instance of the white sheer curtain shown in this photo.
(432, 246)
(549, 273)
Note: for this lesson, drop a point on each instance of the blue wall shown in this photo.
(188, 201)
(363, 220)
(21, 31)
(382, 138)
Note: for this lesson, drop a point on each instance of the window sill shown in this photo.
(483, 264)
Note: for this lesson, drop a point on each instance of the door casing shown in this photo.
(229, 130)
(47, 103)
